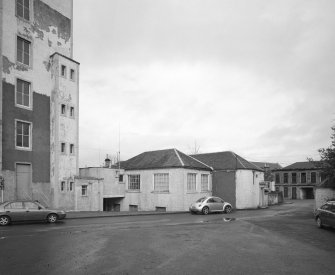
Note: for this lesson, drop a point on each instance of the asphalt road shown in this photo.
(280, 240)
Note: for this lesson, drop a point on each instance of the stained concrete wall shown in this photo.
(177, 199)
(248, 188)
(322, 195)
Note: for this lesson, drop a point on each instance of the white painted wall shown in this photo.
(177, 199)
(248, 189)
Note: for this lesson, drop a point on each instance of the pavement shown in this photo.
(101, 214)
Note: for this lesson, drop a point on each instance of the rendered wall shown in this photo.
(177, 199)
(248, 188)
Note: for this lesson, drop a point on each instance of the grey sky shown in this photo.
(255, 77)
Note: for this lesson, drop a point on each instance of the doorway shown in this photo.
(23, 181)
(294, 193)
(111, 204)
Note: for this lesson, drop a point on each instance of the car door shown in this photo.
(16, 211)
(34, 212)
(331, 216)
(218, 205)
(210, 204)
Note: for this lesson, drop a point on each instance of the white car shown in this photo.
(211, 204)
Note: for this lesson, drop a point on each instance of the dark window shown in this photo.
(303, 177)
(285, 192)
(63, 109)
(71, 111)
(313, 177)
(62, 186)
(277, 178)
(23, 51)
(294, 177)
(285, 177)
(71, 185)
(72, 74)
(134, 182)
(84, 190)
(120, 178)
(71, 148)
(63, 71)
(22, 9)
(62, 147)
(22, 93)
(22, 134)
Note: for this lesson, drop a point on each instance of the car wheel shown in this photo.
(228, 209)
(4, 220)
(205, 210)
(52, 218)
(319, 222)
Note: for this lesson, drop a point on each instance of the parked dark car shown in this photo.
(325, 215)
(16, 211)
(207, 205)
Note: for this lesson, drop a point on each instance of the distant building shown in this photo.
(236, 180)
(39, 101)
(298, 180)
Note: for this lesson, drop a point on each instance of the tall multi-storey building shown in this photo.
(39, 99)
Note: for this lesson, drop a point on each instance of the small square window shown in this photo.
(63, 71)
(63, 109)
(62, 186)
(71, 111)
(72, 74)
(63, 148)
(71, 149)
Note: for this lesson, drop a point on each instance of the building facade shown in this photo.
(298, 180)
(236, 180)
(39, 98)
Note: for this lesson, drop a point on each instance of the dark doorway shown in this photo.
(308, 193)
(111, 204)
(294, 193)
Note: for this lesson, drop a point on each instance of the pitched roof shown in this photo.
(169, 158)
(303, 165)
(226, 161)
(270, 165)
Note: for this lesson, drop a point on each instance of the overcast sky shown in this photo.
(253, 77)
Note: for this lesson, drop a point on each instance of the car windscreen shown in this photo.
(201, 199)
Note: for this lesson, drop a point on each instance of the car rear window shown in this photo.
(201, 199)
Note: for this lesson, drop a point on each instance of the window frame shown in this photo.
(62, 66)
(23, 9)
(313, 173)
(134, 181)
(160, 183)
(30, 43)
(72, 149)
(285, 178)
(305, 177)
(84, 190)
(72, 74)
(72, 112)
(190, 182)
(202, 182)
(29, 107)
(29, 148)
(294, 176)
(63, 152)
(61, 109)
(62, 186)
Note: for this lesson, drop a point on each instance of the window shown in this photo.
(72, 74)
(63, 109)
(120, 178)
(134, 182)
(161, 182)
(22, 9)
(63, 148)
(191, 182)
(72, 149)
(285, 177)
(63, 71)
(133, 208)
(71, 111)
(303, 177)
(84, 190)
(15, 205)
(204, 182)
(22, 93)
(23, 51)
(277, 178)
(31, 205)
(285, 192)
(62, 186)
(294, 177)
(23, 134)
(313, 177)
(71, 185)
